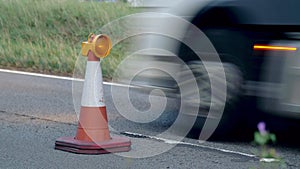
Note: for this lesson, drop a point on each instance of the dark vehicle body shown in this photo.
(258, 42)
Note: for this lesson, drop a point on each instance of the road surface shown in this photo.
(35, 110)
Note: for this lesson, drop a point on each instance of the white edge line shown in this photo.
(167, 141)
(59, 77)
(269, 160)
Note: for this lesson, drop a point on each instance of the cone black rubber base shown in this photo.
(114, 145)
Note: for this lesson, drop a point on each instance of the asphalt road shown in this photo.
(35, 111)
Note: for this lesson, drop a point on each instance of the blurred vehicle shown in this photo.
(257, 41)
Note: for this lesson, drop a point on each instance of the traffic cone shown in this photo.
(92, 136)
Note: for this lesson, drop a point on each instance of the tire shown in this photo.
(233, 57)
(233, 82)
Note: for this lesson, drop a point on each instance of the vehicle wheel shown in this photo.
(233, 82)
(225, 42)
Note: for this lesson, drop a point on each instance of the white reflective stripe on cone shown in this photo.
(92, 95)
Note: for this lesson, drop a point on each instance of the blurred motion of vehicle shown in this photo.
(257, 41)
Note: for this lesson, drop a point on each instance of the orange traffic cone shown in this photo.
(92, 136)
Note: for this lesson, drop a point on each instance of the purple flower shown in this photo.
(262, 128)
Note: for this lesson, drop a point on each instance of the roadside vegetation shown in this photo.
(45, 35)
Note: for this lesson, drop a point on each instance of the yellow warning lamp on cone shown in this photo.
(92, 135)
(100, 45)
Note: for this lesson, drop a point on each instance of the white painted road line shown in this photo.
(167, 141)
(39, 75)
(59, 77)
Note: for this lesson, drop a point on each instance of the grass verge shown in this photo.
(45, 35)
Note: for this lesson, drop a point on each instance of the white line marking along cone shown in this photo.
(92, 136)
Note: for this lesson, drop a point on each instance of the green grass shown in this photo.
(45, 35)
